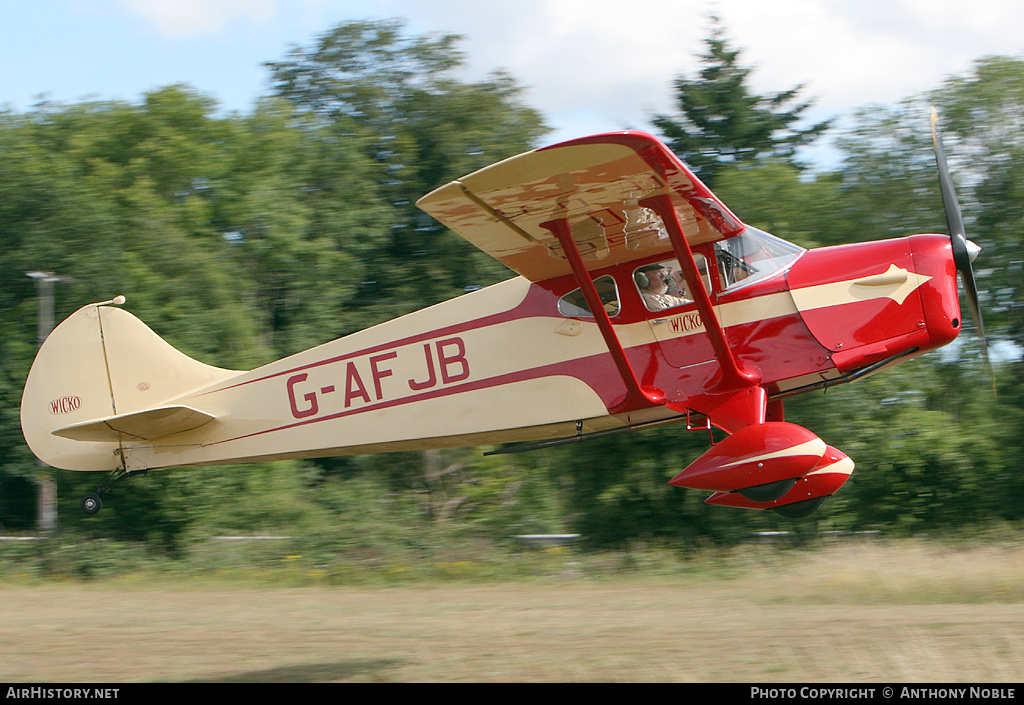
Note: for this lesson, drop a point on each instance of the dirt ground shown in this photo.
(547, 631)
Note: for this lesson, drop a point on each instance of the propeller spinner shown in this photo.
(964, 251)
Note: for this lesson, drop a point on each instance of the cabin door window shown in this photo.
(671, 312)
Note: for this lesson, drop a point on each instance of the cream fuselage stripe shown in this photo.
(730, 314)
(534, 373)
(840, 467)
(448, 360)
(814, 447)
(896, 284)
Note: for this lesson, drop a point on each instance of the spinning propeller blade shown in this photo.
(963, 251)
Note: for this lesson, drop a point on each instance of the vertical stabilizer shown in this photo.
(100, 365)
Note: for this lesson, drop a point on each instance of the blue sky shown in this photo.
(589, 65)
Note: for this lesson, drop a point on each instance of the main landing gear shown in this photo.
(92, 502)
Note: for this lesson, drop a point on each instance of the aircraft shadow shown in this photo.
(313, 673)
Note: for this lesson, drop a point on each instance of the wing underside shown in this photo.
(596, 184)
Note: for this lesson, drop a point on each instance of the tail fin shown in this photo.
(103, 377)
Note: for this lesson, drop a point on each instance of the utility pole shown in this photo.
(46, 515)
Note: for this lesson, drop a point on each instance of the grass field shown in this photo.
(878, 612)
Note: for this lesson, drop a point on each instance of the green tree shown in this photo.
(421, 126)
(778, 198)
(720, 121)
(926, 445)
(301, 211)
(981, 111)
(934, 447)
(399, 101)
(243, 238)
(233, 237)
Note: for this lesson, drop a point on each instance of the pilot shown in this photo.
(657, 284)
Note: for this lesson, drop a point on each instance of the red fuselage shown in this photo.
(833, 312)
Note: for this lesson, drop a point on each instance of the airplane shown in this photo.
(640, 300)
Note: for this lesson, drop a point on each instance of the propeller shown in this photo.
(964, 251)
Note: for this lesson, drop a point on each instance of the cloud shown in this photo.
(186, 18)
(870, 51)
(605, 64)
(589, 65)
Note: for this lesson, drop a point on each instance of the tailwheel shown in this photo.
(91, 503)
(799, 510)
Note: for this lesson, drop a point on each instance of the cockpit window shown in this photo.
(661, 284)
(574, 304)
(751, 256)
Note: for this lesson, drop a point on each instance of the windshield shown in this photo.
(751, 256)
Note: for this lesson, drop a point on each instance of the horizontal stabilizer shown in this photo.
(148, 425)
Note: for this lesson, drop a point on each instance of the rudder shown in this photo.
(104, 369)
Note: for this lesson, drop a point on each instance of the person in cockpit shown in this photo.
(658, 287)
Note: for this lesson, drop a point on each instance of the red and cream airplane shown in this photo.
(641, 300)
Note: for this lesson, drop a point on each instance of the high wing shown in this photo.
(595, 183)
(591, 203)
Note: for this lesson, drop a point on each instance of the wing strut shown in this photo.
(734, 374)
(637, 395)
